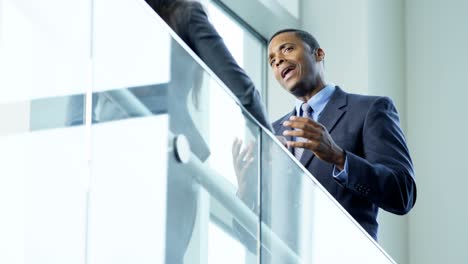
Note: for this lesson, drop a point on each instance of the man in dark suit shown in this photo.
(352, 144)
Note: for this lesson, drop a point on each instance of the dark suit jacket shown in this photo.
(380, 170)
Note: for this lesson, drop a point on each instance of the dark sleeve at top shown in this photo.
(205, 41)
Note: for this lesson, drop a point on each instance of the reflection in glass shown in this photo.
(112, 105)
(247, 48)
(212, 129)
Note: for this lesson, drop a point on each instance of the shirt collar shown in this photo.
(318, 101)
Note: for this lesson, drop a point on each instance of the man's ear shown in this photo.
(319, 54)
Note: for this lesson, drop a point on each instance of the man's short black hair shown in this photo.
(303, 35)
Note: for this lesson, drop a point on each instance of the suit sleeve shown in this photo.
(385, 174)
(205, 41)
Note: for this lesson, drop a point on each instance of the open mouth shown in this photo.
(287, 72)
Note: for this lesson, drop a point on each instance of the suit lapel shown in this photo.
(329, 117)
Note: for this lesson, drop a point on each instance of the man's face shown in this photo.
(293, 63)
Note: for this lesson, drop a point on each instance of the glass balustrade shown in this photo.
(119, 145)
(44, 61)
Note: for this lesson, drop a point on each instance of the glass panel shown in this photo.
(135, 195)
(234, 146)
(44, 61)
(130, 59)
(129, 155)
(128, 191)
(224, 146)
(43, 185)
(129, 52)
(44, 48)
(295, 208)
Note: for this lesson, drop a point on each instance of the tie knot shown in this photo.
(306, 110)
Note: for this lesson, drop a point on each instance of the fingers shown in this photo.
(312, 145)
(242, 158)
(311, 135)
(236, 145)
(247, 153)
(298, 120)
(304, 125)
(246, 165)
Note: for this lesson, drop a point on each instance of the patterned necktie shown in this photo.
(306, 112)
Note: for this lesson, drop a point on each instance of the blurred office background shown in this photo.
(413, 51)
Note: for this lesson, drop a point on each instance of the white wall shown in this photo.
(387, 76)
(437, 67)
(386, 36)
(292, 6)
(340, 27)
